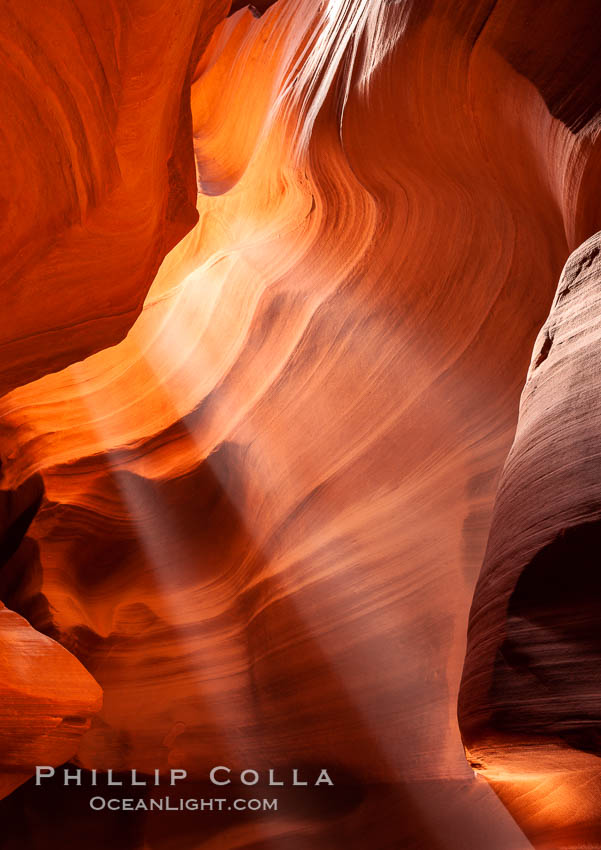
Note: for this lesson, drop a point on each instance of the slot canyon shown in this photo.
(300, 420)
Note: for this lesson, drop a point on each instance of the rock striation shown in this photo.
(530, 705)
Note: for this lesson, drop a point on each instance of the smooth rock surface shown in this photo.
(46, 701)
(97, 181)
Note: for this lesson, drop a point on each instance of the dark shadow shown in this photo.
(546, 677)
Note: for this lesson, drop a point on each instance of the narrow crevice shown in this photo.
(544, 352)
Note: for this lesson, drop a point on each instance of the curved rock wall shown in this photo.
(530, 707)
(98, 174)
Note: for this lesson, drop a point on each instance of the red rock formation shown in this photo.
(47, 700)
(98, 176)
(264, 510)
(97, 185)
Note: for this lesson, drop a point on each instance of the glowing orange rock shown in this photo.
(98, 175)
(236, 536)
(46, 701)
(265, 508)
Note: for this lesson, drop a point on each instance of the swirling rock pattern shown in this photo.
(259, 517)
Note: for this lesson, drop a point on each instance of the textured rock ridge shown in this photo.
(530, 704)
